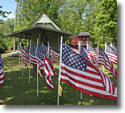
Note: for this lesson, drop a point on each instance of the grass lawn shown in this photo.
(16, 89)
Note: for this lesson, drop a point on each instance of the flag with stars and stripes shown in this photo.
(1, 71)
(81, 74)
(32, 53)
(24, 55)
(104, 60)
(111, 53)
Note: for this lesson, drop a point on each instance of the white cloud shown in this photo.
(11, 15)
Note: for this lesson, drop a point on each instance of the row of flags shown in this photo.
(38, 56)
(79, 68)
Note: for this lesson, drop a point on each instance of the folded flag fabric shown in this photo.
(48, 67)
(49, 82)
(32, 53)
(81, 74)
(111, 53)
(24, 56)
(103, 59)
(1, 71)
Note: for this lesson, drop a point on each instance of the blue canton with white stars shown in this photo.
(72, 59)
(110, 50)
(39, 52)
(102, 53)
(44, 49)
(84, 53)
(32, 49)
(90, 48)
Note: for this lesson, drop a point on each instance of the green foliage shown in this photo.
(102, 46)
(3, 14)
(3, 46)
(6, 42)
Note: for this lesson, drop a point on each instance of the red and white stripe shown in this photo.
(48, 68)
(1, 73)
(33, 60)
(40, 64)
(49, 82)
(55, 56)
(113, 58)
(107, 64)
(76, 50)
(92, 81)
(1, 77)
(25, 57)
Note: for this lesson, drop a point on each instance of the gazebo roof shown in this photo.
(82, 34)
(34, 29)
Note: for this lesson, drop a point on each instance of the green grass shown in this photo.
(17, 91)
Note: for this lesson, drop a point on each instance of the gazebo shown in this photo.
(45, 30)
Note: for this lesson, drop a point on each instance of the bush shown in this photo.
(2, 47)
(102, 46)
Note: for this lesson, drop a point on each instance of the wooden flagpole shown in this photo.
(80, 53)
(59, 69)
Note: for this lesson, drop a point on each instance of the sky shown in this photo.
(8, 5)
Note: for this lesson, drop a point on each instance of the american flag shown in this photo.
(81, 74)
(45, 66)
(1, 71)
(45, 50)
(113, 47)
(84, 53)
(55, 56)
(40, 57)
(32, 53)
(92, 54)
(103, 59)
(24, 55)
(111, 53)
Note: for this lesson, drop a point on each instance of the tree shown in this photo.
(3, 14)
(6, 42)
(106, 23)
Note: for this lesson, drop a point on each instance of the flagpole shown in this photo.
(59, 69)
(80, 53)
(21, 59)
(37, 71)
(29, 60)
(48, 51)
(97, 52)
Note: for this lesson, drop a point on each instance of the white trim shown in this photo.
(49, 21)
